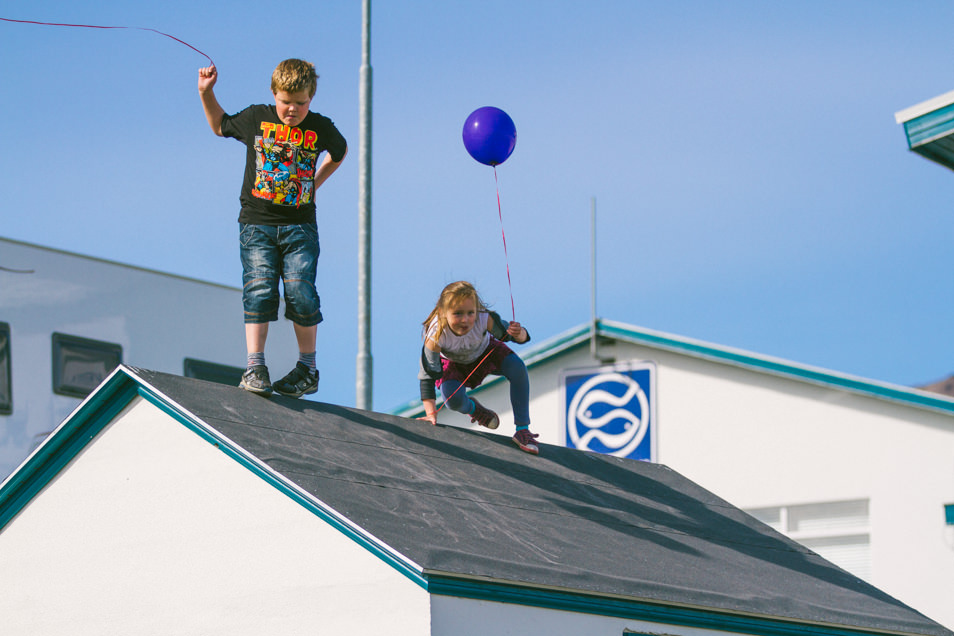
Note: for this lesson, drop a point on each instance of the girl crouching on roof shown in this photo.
(463, 344)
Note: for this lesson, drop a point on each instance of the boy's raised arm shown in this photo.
(213, 111)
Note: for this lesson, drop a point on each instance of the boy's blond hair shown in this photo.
(295, 75)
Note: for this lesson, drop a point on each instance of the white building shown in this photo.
(860, 471)
(67, 320)
(171, 505)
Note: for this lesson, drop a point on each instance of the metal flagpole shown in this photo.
(363, 380)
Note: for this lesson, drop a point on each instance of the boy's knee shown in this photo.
(260, 298)
(302, 303)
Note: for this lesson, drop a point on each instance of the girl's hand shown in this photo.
(516, 332)
(430, 411)
(430, 417)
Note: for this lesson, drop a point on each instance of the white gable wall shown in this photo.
(759, 440)
(153, 530)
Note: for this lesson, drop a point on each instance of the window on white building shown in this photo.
(838, 531)
(212, 371)
(6, 385)
(80, 364)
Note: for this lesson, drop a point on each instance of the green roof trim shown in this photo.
(929, 128)
(548, 350)
(628, 608)
(62, 445)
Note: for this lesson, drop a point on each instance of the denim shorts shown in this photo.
(280, 252)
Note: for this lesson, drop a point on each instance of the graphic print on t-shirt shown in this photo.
(284, 172)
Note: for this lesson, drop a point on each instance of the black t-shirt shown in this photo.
(280, 163)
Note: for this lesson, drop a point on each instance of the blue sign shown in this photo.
(610, 410)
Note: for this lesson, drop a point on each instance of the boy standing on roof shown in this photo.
(277, 223)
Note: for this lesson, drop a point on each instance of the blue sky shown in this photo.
(753, 189)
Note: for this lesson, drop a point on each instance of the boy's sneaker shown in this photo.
(299, 381)
(484, 416)
(256, 380)
(526, 441)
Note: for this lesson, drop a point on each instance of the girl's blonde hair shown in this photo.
(452, 296)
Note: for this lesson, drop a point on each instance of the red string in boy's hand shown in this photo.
(96, 26)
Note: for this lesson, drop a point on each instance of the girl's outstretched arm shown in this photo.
(430, 370)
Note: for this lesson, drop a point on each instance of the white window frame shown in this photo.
(839, 531)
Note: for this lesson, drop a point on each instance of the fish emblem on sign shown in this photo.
(610, 411)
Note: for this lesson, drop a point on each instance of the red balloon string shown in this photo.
(506, 257)
(93, 26)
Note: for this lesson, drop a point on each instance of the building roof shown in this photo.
(929, 128)
(465, 513)
(25, 264)
(580, 336)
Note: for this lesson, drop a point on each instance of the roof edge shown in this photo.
(641, 609)
(65, 442)
(283, 485)
(263, 471)
(780, 367)
(923, 108)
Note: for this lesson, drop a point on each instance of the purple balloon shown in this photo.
(489, 135)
